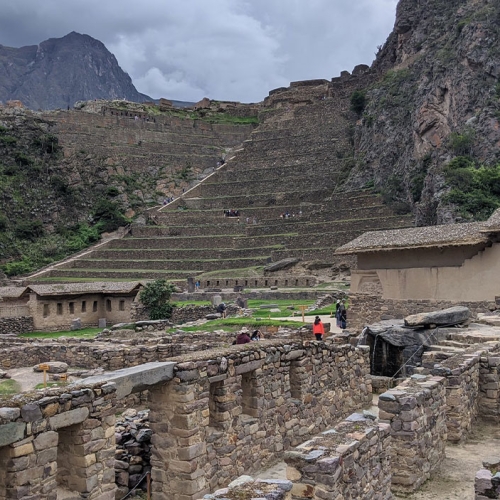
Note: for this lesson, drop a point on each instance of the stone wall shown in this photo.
(415, 411)
(352, 460)
(211, 414)
(461, 375)
(16, 326)
(489, 387)
(258, 400)
(487, 481)
(367, 309)
(62, 441)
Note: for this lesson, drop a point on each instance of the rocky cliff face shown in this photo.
(437, 97)
(60, 71)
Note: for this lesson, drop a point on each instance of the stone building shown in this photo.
(54, 307)
(458, 262)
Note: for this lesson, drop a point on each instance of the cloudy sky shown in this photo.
(222, 49)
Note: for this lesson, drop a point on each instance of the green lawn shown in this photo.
(282, 305)
(9, 387)
(89, 333)
(234, 324)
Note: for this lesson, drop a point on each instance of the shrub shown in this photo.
(461, 143)
(108, 215)
(23, 266)
(29, 230)
(156, 298)
(358, 101)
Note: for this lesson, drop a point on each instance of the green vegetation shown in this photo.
(9, 387)
(358, 101)
(475, 189)
(156, 298)
(88, 333)
(234, 324)
(461, 143)
(51, 384)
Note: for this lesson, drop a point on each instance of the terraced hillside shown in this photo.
(295, 162)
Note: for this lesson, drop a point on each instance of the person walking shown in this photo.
(343, 315)
(337, 313)
(318, 328)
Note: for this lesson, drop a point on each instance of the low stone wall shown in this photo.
(255, 400)
(352, 460)
(246, 488)
(63, 440)
(487, 481)
(16, 326)
(489, 387)
(461, 375)
(367, 309)
(415, 411)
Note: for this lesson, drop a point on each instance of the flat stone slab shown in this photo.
(54, 367)
(135, 379)
(451, 316)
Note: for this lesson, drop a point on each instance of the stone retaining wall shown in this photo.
(489, 387)
(415, 411)
(16, 326)
(352, 460)
(367, 309)
(253, 400)
(64, 440)
(461, 375)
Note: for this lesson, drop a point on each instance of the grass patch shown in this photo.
(234, 324)
(89, 333)
(282, 305)
(9, 387)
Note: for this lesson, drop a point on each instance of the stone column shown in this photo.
(179, 415)
(416, 412)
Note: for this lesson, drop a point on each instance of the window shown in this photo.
(208, 283)
(59, 308)
(286, 282)
(246, 282)
(217, 283)
(108, 305)
(275, 282)
(227, 282)
(249, 401)
(84, 306)
(236, 282)
(217, 396)
(296, 282)
(307, 282)
(46, 310)
(72, 308)
(265, 283)
(121, 305)
(256, 282)
(94, 306)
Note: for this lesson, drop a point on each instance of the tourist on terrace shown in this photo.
(243, 337)
(318, 328)
(256, 336)
(343, 315)
(221, 309)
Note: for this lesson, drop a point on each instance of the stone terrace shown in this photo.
(294, 162)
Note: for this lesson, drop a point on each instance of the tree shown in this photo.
(156, 298)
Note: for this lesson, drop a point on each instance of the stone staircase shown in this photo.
(294, 162)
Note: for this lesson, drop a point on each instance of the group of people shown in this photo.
(244, 336)
(168, 199)
(288, 215)
(341, 314)
(231, 213)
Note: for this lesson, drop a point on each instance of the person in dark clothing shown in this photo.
(256, 335)
(243, 337)
(343, 315)
(221, 309)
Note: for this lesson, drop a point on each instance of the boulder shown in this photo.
(54, 367)
(451, 316)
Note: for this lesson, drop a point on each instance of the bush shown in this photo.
(23, 266)
(156, 298)
(461, 144)
(358, 101)
(108, 216)
(29, 230)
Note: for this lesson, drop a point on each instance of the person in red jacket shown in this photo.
(318, 329)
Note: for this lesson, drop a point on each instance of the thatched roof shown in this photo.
(416, 237)
(492, 225)
(85, 288)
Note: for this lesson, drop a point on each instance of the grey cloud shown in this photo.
(224, 49)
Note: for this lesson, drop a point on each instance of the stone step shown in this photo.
(188, 230)
(125, 274)
(202, 242)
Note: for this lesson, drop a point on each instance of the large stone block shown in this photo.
(11, 432)
(71, 417)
